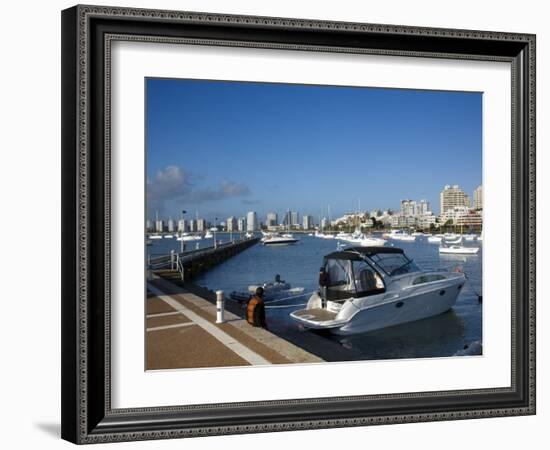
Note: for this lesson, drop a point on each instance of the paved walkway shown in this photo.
(181, 333)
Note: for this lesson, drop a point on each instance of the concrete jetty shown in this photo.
(191, 263)
(181, 332)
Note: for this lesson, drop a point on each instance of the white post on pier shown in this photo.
(149, 271)
(172, 259)
(220, 307)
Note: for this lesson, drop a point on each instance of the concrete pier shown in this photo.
(194, 262)
(181, 332)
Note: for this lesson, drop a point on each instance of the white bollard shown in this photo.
(220, 307)
(172, 259)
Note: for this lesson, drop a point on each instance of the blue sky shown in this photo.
(225, 148)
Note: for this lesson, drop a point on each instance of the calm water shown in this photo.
(299, 264)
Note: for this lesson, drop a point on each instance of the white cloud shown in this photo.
(174, 183)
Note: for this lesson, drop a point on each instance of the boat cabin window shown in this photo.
(428, 278)
(340, 284)
(367, 280)
(348, 279)
(394, 263)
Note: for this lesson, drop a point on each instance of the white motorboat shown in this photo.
(435, 239)
(276, 289)
(400, 235)
(360, 238)
(279, 239)
(155, 236)
(456, 247)
(470, 237)
(343, 236)
(168, 236)
(189, 237)
(451, 236)
(369, 288)
(452, 240)
(208, 235)
(369, 241)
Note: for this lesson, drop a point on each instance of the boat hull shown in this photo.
(285, 242)
(459, 251)
(383, 314)
(390, 314)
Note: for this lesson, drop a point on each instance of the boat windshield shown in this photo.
(394, 263)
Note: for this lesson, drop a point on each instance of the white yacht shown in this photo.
(369, 288)
(343, 236)
(155, 236)
(454, 239)
(279, 239)
(436, 239)
(371, 241)
(208, 235)
(456, 247)
(189, 237)
(458, 250)
(400, 235)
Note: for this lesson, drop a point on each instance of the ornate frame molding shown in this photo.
(87, 421)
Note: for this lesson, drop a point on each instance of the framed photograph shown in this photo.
(279, 224)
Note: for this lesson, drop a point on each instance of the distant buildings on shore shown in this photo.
(455, 210)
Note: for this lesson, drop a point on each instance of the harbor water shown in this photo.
(440, 336)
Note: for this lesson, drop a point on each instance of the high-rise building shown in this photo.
(408, 207)
(251, 221)
(231, 224)
(159, 225)
(478, 198)
(182, 225)
(171, 225)
(272, 219)
(423, 207)
(149, 225)
(292, 218)
(307, 222)
(192, 225)
(241, 223)
(324, 223)
(451, 197)
(201, 225)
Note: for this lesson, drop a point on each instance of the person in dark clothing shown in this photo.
(324, 283)
(255, 310)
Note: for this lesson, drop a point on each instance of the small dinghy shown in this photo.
(272, 290)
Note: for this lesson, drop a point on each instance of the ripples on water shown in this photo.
(299, 265)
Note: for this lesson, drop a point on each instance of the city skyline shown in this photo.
(412, 214)
(226, 148)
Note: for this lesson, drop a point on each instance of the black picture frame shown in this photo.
(87, 416)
